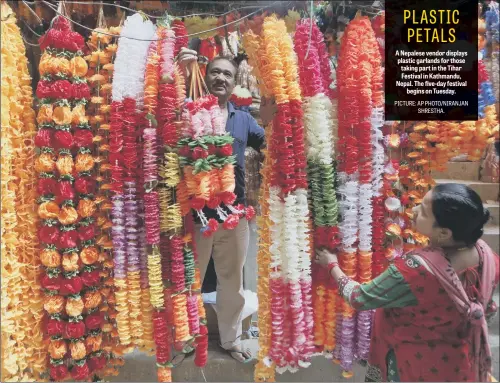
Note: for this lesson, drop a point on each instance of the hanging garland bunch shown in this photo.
(171, 223)
(24, 355)
(152, 205)
(128, 86)
(360, 97)
(207, 161)
(184, 310)
(265, 368)
(67, 209)
(100, 62)
(314, 72)
(290, 280)
(379, 195)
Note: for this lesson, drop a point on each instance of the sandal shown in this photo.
(231, 352)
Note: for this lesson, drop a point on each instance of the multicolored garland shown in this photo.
(100, 61)
(24, 354)
(184, 310)
(67, 209)
(130, 259)
(290, 243)
(315, 77)
(360, 97)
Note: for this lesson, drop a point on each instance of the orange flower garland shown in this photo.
(24, 355)
(102, 53)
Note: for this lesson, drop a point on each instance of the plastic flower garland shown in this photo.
(290, 280)
(184, 311)
(100, 61)
(207, 161)
(396, 202)
(197, 24)
(24, 353)
(68, 209)
(265, 369)
(130, 272)
(360, 97)
(241, 98)
(315, 76)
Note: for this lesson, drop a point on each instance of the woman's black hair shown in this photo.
(460, 209)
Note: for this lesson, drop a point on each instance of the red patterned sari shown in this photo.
(443, 336)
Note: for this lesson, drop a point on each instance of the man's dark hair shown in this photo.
(229, 59)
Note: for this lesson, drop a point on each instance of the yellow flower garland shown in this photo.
(264, 372)
(22, 306)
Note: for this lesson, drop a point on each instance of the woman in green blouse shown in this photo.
(431, 305)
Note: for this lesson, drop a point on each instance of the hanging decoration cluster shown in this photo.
(67, 209)
(360, 116)
(315, 77)
(23, 350)
(100, 62)
(289, 300)
(207, 161)
(134, 317)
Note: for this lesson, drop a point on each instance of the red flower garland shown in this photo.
(68, 226)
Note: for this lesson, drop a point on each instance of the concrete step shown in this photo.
(494, 209)
(221, 367)
(492, 237)
(487, 191)
(459, 171)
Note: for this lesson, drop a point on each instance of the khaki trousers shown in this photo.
(229, 254)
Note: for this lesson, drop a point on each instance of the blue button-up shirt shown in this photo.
(246, 132)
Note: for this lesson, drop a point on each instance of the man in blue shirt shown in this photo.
(228, 247)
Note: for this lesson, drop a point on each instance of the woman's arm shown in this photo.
(388, 290)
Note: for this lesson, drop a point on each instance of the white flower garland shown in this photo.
(131, 56)
(378, 154)
(319, 127)
(348, 206)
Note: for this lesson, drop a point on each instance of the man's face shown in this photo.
(220, 79)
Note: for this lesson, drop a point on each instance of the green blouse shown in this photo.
(388, 290)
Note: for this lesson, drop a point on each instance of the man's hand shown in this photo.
(185, 58)
(267, 110)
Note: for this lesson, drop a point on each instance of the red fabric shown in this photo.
(432, 341)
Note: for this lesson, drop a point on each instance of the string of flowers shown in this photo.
(100, 62)
(379, 196)
(171, 224)
(315, 74)
(152, 205)
(359, 84)
(73, 298)
(184, 310)
(128, 85)
(265, 368)
(22, 305)
(290, 280)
